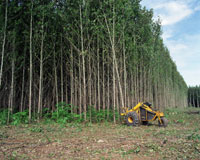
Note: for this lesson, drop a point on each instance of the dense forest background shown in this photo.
(102, 54)
(194, 96)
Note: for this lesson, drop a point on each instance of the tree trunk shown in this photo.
(75, 92)
(83, 65)
(194, 98)
(30, 69)
(115, 65)
(61, 73)
(98, 76)
(90, 81)
(71, 80)
(66, 86)
(124, 65)
(94, 85)
(23, 79)
(4, 41)
(103, 82)
(198, 97)
(55, 76)
(108, 91)
(113, 72)
(11, 97)
(41, 72)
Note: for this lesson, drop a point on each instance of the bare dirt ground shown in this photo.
(180, 140)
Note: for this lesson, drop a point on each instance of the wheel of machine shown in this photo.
(132, 119)
(145, 123)
(164, 122)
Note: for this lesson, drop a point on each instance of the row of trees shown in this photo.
(105, 54)
(194, 96)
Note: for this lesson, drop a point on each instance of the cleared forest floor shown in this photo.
(180, 140)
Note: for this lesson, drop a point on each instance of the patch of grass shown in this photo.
(194, 136)
(153, 147)
(103, 158)
(47, 138)
(172, 149)
(51, 155)
(19, 117)
(36, 129)
(50, 129)
(62, 115)
(78, 129)
(3, 135)
(15, 156)
(3, 116)
(130, 151)
(180, 121)
(197, 148)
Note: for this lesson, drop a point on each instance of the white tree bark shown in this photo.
(31, 67)
(4, 41)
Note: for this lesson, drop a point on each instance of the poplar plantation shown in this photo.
(86, 55)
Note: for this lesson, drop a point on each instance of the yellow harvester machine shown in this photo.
(142, 113)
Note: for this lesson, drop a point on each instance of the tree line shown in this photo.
(194, 96)
(102, 54)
